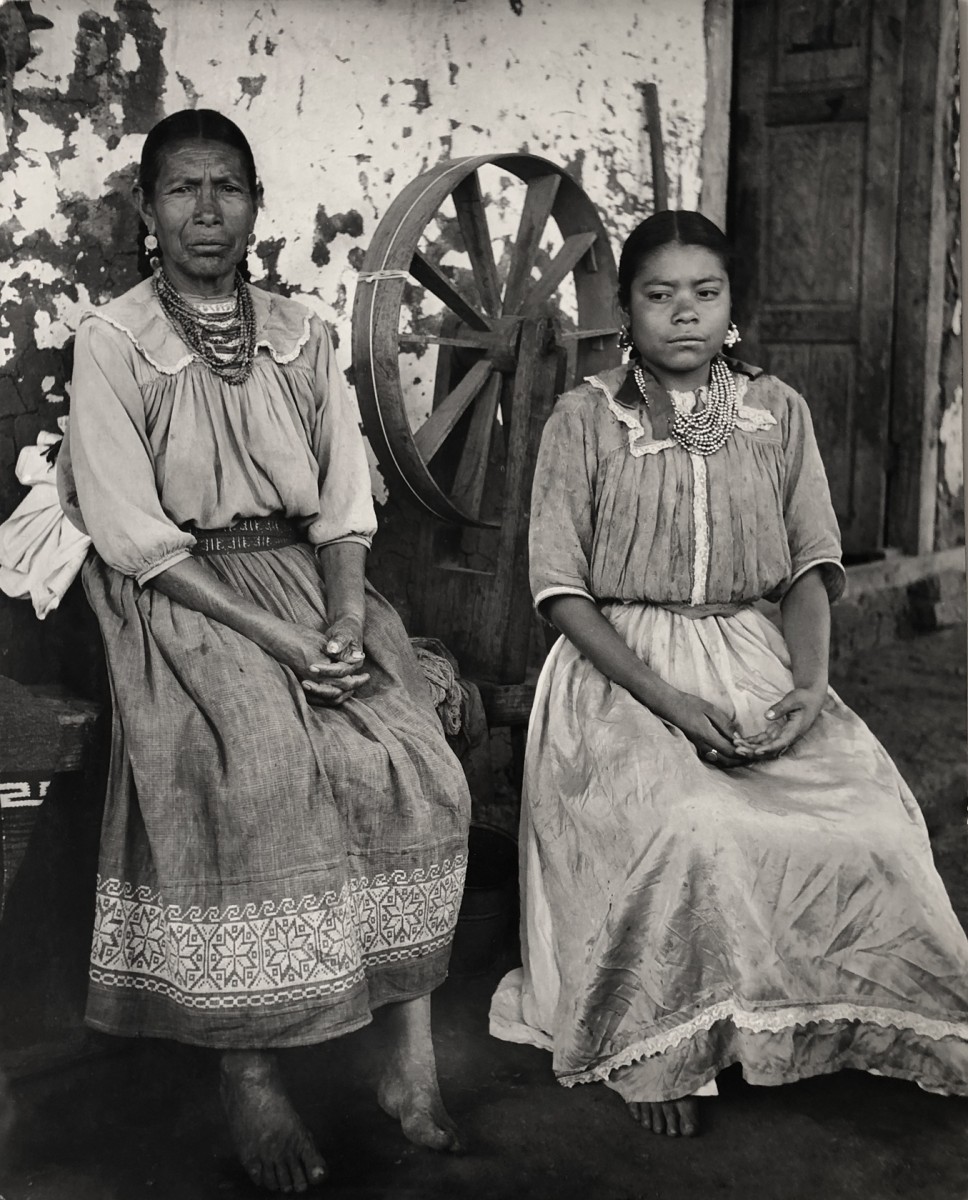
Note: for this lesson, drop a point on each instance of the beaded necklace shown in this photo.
(707, 429)
(222, 336)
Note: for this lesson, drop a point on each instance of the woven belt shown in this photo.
(245, 536)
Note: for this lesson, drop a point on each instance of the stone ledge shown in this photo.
(897, 598)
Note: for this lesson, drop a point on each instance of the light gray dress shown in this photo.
(676, 917)
(270, 871)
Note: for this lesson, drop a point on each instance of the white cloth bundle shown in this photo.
(40, 550)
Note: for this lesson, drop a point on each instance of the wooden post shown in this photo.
(714, 153)
(963, 106)
(653, 124)
(920, 263)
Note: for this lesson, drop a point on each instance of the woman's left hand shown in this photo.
(344, 644)
(789, 718)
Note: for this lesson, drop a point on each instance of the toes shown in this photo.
(689, 1117)
(253, 1168)
(658, 1118)
(300, 1180)
(284, 1176)
(671, 1114)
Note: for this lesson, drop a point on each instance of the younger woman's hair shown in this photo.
(189, 125)
(670, 227)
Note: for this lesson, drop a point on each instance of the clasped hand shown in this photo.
(718, 739)
(327, 664)
(789, 719)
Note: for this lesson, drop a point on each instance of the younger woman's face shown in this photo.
(679, 313)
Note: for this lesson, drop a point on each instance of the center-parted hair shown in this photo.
(190, 125)
(670, 227)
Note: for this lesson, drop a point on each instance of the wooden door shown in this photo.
(813, 215)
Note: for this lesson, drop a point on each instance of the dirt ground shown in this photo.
(143, 1122)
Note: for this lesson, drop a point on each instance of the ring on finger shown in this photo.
(711, 755)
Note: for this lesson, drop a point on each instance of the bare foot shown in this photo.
(273, 1145)
(408, 1089)
(672, 1118)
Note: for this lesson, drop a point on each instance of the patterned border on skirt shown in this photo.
(261, 955)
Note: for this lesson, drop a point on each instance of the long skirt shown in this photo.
(678, 918)
(270, 871)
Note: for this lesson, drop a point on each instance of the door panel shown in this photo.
(813, 214)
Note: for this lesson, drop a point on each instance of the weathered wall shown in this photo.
(344, 102)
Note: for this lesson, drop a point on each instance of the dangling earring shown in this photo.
(732, 336)
(151, 245)
(625, 339)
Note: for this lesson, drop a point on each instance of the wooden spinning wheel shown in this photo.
(508, 339)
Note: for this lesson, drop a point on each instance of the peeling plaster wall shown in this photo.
(344, 103)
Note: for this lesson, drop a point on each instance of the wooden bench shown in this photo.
(51, 787)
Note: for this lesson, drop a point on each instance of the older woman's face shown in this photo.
(202, 213)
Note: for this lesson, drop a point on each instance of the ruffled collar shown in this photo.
(282, 327)
(625, 403)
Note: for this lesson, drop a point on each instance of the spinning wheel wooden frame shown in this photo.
(505, 349)
(481, 336)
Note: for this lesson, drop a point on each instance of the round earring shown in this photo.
(732, 336)
(151, 245)
(625, 338)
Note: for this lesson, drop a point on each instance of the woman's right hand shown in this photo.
(324, 679)
(709, 729)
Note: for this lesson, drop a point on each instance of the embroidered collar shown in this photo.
(282, 326)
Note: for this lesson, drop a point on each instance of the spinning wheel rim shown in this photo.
(389, 265)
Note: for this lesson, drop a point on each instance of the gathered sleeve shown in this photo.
(346, 512)
(812, 532)
(562, 500)
(111, 466)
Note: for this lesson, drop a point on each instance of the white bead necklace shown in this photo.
(707, 429)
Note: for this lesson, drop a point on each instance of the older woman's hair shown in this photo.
(189, 125)
(671, 227)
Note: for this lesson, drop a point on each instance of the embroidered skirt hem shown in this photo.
(270, 871)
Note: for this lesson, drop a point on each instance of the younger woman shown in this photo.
(720, 863)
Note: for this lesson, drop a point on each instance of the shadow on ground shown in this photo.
(144, 1123)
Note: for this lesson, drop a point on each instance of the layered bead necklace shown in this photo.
(707, 429)
(222, 334)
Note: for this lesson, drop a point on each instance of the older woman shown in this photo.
(283, 844)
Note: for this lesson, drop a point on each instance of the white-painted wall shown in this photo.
(344, 101)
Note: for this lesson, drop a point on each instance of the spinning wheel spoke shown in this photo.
(432, 434)
(435, 281)
(564, 262)
(468, 490)
(498, 350)
(469, 339)
(477, 239)
(538, 203)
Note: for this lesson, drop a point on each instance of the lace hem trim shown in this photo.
(775, 1021)
(749, 420)
(700, 524)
